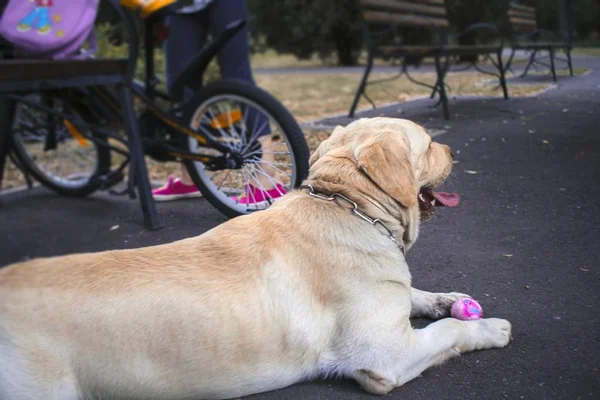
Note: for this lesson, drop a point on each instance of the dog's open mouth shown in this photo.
(428, 200)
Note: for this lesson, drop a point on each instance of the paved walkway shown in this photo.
(525, 241)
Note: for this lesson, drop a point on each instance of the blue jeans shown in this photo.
(188, 34)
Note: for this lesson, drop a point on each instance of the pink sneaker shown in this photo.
(255, 197)
(175, 189)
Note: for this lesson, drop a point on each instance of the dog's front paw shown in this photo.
(491, 333)
(442, 305)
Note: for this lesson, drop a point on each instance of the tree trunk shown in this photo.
(346, 55)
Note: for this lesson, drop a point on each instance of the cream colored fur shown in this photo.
(302, 290)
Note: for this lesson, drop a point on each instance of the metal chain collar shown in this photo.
(354, 210)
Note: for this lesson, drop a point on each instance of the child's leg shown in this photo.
(234, 62)
(234, 59)
(186, 179)
(187, 35)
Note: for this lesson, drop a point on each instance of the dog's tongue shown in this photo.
(446, 199)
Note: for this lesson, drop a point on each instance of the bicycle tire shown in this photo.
(279, 114)
(89, 186)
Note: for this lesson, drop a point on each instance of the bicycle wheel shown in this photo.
(265, 139)
(54, 153)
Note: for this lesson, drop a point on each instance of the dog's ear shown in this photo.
(324, 146)
(315, 156)
(384, 159)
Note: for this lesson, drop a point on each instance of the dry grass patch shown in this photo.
(312, 96)
(587, 51)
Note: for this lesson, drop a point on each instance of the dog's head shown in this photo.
(391, 162)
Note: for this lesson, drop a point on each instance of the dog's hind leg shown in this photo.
(18, 382)
(403, 358)
(14, 389)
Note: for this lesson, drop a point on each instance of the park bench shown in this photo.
(527, 36)
(388, 26)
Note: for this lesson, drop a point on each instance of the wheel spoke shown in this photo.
(269, 177)
(272, 166)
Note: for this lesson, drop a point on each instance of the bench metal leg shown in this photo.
(7, 112)
(438, 83)
(502, 75)
(137, 159)
(569, 62)
(531, 60)
(361, 87)
(551, 51)
(510, 60)
(441, 72)
(434, 90)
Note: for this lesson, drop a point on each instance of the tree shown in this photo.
(307, 27)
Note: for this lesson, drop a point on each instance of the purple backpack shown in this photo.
(55, 29)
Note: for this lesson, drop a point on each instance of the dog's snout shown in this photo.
(452, 154)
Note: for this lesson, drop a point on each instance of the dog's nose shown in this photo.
(451, 154)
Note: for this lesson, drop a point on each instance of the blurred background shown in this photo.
(330, 31)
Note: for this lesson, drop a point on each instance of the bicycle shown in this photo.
(230, 135)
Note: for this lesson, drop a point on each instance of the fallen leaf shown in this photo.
(507, 255)
(548, 143)
(114, 227)
(584, 269)
(565, 110)
(470, 171)
(532, 131)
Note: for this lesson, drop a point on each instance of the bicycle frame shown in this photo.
(147, 91)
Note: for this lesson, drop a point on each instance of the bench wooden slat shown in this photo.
(522, 8)
(537, 45)
(440, 2)
(520, 14)
(520, 21)
(382, 17)
(452, 49)
(405, 6)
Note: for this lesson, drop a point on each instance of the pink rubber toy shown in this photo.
(466, 309)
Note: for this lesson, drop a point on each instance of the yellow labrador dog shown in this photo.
(316, 285)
